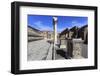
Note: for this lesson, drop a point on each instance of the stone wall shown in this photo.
(75, 32)
(83, 33)
(34, 34)
(75, 42)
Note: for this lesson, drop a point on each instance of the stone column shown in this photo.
(55, 34)
(55, 29)
(77, 48)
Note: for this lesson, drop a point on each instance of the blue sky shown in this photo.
(42, 22)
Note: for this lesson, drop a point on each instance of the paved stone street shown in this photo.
(38, 50)
(42, 50)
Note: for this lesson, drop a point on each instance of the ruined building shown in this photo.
(75, 32)
(34, 34)
(83, 33)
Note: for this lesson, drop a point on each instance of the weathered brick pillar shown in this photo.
(77, 48)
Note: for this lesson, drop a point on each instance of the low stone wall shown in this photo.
(74, 47)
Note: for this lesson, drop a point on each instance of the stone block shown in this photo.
(77, 48)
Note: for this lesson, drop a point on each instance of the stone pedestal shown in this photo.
(77, 48)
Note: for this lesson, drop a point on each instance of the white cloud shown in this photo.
(75, 23)
(42, 27)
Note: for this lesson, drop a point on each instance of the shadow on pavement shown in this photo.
(61, 52)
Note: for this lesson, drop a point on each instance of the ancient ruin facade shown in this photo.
(34, 34)
(48, 34)
(64, 34)
(83, 33)
(75, 32)
(72, 40)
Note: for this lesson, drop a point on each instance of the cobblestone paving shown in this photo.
(38, 50)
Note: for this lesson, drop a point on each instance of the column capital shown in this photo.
(55, 18)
